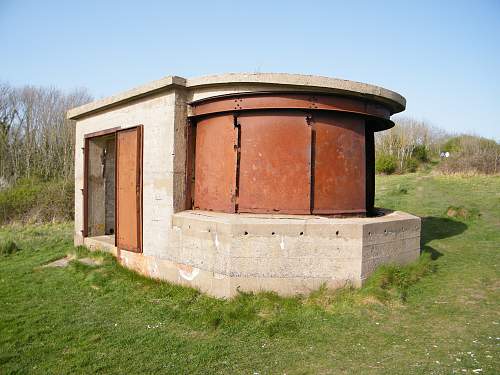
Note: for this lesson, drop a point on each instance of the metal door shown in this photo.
(129, 189)
(215, 164)
(275, 163)
(339, 164)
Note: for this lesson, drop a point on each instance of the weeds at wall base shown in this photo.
(388, 285)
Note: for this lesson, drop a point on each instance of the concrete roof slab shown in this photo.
(395, 101)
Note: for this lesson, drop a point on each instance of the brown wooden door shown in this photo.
(129, 189)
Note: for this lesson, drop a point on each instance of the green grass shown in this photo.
(440, 315)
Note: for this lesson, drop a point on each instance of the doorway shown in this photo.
(113, 188)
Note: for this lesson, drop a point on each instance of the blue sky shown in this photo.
(443, 56)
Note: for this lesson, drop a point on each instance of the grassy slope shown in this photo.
(109, 320)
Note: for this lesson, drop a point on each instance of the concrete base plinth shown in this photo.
(222, 253)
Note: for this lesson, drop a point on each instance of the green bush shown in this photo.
(33, 200)
(8, 247)
(385, 164)
(420, 154)
(452, 145)
(18, 199)
(411, 165)
(471, 155)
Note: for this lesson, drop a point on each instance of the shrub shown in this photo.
(411, 165)
(471, 155)
(385, 164)
(8, 247)
(16, 200)
(33, 200)
(420, 154)
(452, 145)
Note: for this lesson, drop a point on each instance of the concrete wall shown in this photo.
(163, 117)
(390, 241)
(222, 253)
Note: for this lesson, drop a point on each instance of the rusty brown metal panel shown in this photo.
(339, 164)
(253, 101)
(128, 189)
(290, 101)
(215, 164)
(275, 162)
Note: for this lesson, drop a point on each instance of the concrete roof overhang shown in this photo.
(280, 81)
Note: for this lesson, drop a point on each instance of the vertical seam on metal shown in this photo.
(141, 197)
(313, 160)
(237, 127)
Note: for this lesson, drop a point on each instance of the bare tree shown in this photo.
(408, 134)
(36, 139)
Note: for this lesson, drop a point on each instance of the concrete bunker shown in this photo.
(240, 182)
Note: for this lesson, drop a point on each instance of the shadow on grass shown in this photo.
(435, 228)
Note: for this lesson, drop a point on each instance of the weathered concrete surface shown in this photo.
(150, 88)
(164, 121)
(222, 253)
(236, 82)
(59, 263)
(90, 262)
(64, 262)
(103, 243)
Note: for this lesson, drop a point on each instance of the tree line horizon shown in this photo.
(37, 140)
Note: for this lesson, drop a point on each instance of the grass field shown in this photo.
(438, 316)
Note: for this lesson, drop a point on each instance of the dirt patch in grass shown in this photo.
(59, 263)
(463, 213)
